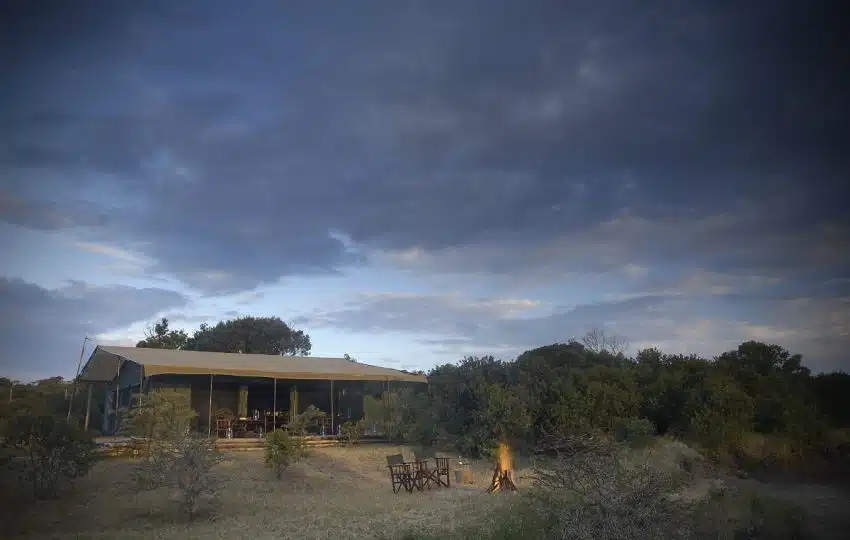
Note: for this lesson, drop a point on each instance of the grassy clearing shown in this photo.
(333, 493)
(345, 493)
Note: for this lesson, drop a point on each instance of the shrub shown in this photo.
(586, 489)
(353, 431)
(51, 451)
(282, 450)
(298, 425)
(184, 463)
(637, 432)
(164, 413)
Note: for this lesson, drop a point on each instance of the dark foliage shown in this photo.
(248, 335)
(755, 405)
(46, 451)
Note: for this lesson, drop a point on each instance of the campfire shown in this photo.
(503, 474)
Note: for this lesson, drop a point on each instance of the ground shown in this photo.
(334, 493)
(825, 505)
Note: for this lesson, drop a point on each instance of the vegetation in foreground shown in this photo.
(44, 453)
(594, 488)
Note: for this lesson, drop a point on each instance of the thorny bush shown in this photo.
(47, 452)
(183, 462)
(588, 488)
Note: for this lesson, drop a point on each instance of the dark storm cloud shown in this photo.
(30, 313)
(233, 141)
(48, 215)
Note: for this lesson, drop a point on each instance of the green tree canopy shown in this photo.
(160, 336)
(251, 335)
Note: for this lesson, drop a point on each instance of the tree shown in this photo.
(775, 379)
(251, 335)
(598, 341)
(159, 336)
(45, 397)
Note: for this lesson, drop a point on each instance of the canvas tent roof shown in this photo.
(103, 363)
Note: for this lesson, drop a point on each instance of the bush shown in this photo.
(353, 431)
(298, 425)
(50, 451)
(184, 463)
(586, 489)
(637, 432)
(164, 413)
(282, 450)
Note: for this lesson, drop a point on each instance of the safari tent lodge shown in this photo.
(238, 395)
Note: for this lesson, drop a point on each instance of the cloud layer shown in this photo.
(235, 160)
(42, 330)
(686, 158)
(704, 323)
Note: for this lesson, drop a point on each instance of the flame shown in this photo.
(504, 455)
(503, 472)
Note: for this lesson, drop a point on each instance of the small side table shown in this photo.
(463, 472)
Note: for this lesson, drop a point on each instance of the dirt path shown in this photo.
(828, 507)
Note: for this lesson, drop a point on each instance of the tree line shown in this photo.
(757, 405)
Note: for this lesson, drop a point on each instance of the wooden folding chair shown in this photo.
(424, 473)
(400, 473)
(443, 470)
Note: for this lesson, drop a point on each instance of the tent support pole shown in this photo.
(118, 392)
(76, 378)
(274, 406)
(332, 407)
(386, 399)
(88, 409)
(141, 384)
(209, 414)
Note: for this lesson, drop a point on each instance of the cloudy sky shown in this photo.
(414, 181)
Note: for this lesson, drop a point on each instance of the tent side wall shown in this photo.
(123, 388)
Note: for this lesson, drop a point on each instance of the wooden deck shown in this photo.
(312, 441)
(117, 446)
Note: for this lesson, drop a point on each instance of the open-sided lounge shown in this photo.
(262, 391)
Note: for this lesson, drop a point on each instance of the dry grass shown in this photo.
(333, 493)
